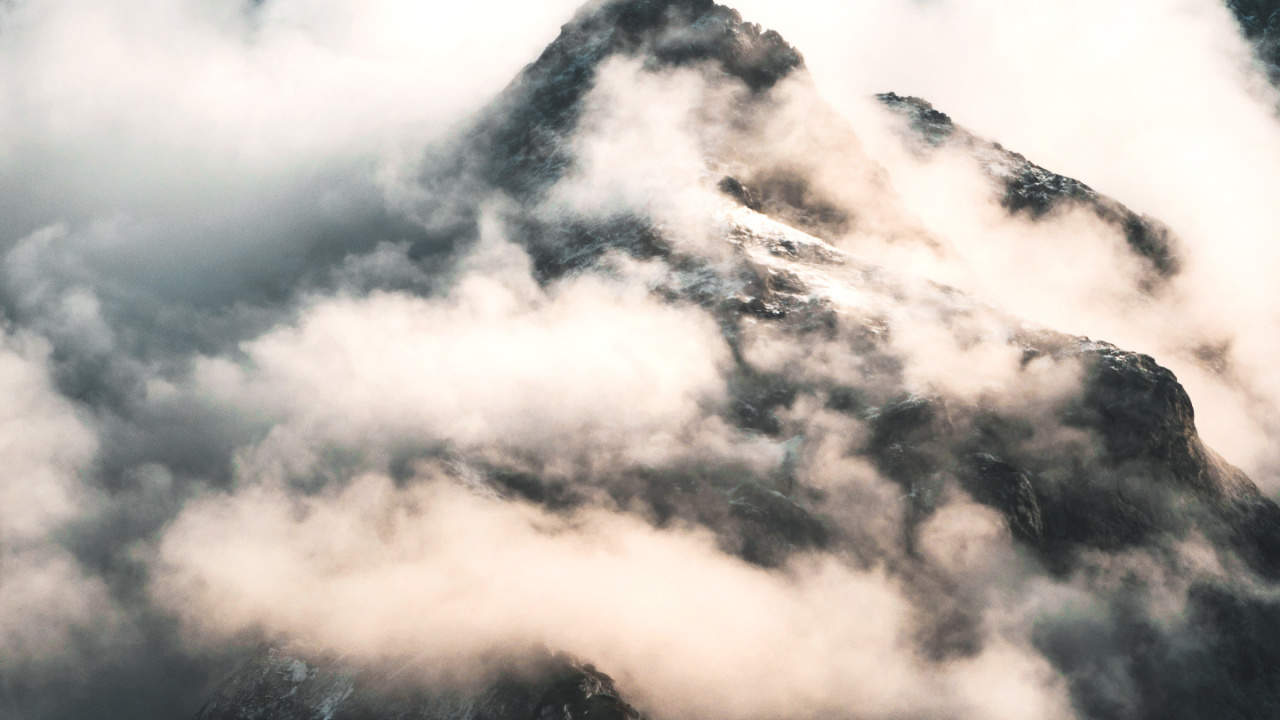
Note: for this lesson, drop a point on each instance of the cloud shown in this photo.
(446, 575)
(583, 367)
(1160, 107)
(46, 597)
(207, 154)
(261, 80)
(45, 444)
(269, 358)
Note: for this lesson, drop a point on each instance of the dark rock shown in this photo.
(757, 396)
(522, 145)
(1219, 660)
(772, 525)
(1029, 189)
(1004, 487)
(788, 196)
(278, 685)
(574, 244)
(734, 188)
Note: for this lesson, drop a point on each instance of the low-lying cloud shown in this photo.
(444, 575)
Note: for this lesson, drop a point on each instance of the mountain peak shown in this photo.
(544, 103)
(681, 32)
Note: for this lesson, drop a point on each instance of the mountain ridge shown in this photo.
(1147, 485)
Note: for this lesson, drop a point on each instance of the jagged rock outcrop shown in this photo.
(1026, 188)
(280, 685)
(1260, 20)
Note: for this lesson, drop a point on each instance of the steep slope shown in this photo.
(1260, 20)
(523, 141)
(283, 686)
(1024, 187)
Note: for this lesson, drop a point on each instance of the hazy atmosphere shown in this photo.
(656, 359)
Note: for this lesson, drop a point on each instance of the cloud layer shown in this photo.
(717, 382)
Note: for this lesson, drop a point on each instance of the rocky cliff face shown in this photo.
(521, 145)
(1086, 474)
(1024, 187)
(283, 686)
(1260, 20)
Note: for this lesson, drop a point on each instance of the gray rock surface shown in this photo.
(279, 685)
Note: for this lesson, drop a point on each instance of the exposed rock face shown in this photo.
(1114, 467)
(1260, 20)
(524, 138)
(277, 685)
(1025, 187)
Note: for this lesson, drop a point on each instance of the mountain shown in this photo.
(1084, 479)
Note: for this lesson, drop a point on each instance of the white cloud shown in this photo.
(447, 576)
(497, 363)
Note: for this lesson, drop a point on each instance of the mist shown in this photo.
(342, 329)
